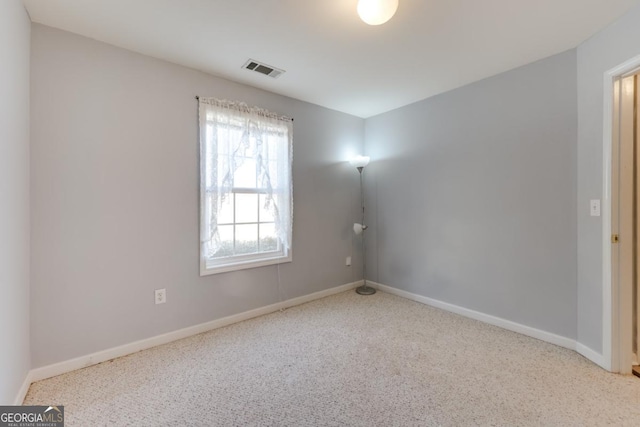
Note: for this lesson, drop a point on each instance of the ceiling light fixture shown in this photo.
(376, 12)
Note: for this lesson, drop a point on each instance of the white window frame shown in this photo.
(282, 254)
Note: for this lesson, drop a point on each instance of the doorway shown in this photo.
(625, 221)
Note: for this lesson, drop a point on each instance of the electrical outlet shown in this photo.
(348, 261)
(161, 296)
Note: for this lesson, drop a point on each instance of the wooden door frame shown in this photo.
(615, 311)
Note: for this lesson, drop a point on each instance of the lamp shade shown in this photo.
(376, 12)
(360, 161)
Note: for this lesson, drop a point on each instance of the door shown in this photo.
(624, 219)
(634, 92)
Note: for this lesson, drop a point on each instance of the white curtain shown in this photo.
(232, 134)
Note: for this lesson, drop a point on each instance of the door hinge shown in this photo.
(614, 238)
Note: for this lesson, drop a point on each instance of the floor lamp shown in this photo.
(359, 228)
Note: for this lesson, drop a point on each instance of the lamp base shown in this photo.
(365, 290)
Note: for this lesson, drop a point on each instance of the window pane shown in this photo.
(273, 173)
(226, 239)
(266, 214)
(277, 143)
(245, 175)
(246, 239)
(268, 239)
(246, 208)
(220, 171)
(222, 139)
(225, 215)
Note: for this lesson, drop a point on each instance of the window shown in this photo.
(245, 187)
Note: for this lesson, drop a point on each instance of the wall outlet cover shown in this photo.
(161, 296)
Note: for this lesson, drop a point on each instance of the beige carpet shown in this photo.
(348, 360)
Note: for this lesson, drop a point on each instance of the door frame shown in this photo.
(613, 310)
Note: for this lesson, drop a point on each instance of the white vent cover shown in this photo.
(262, 68)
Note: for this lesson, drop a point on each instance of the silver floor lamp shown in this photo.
(359, 228)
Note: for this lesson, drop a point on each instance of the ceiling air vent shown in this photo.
(261, 68)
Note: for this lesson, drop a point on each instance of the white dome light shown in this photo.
(376, 12)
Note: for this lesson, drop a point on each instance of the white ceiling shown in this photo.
(332, 58)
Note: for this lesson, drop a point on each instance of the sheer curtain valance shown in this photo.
(246, 185)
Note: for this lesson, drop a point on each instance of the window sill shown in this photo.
(207, 269)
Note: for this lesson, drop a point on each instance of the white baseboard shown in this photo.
(592, 355)
(60, 368)
(486, 318)
(22, 393)
(49, 371)
(549, 337)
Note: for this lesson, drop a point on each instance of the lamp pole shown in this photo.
(364, 289)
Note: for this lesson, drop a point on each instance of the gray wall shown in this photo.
(15, 29)
(614, 45)
(472, 196)
(115, 199)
